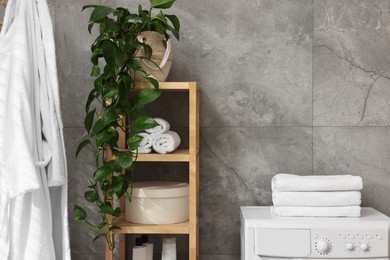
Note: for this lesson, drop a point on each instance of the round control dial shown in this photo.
(364, 247)
(349, 246)
(323, 246)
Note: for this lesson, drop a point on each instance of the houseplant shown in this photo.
(114, 61)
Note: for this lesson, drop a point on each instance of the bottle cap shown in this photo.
(145, 239)
(169, 240)
(138, 241)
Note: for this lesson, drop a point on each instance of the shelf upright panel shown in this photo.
(194, 171)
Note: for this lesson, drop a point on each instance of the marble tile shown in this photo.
(252, 61)
(363, 151)
(73, 43)
(351, 72)
(237, 165)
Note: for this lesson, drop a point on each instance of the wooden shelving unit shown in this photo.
(191, 156)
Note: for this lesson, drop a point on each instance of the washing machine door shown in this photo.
(290, 243)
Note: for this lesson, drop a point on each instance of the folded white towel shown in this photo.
(317, 199)
(291, 211)
(290, 182)
(146, 144)
(167, 142)
(143, 151)
(163, 127)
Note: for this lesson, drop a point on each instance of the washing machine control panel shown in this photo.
(349, 243)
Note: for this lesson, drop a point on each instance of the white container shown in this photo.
(158, 202)
(168, 248)
(140, 252)
(149, 246)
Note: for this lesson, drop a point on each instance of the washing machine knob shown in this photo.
(364, 247)
(323, 246)
(349, 246)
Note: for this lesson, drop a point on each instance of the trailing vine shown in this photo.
(111, 99)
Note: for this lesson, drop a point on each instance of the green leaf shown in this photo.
(98, 126)
(98, 236)
(143, 122)
(88, 6)
(152, 80)
(117, 212)
(103, 172)
(90, 99)
(105, 186)
(161, 4)
(106, 208)
(134, 65)
(79, 213)
(99, 13)
(160, 16)
(125, 78)
(88, 121)
(81, 146)
(124, 161)
(105, 136)
(147, 95)
(134, 141)
(111, 116)
(109, 26)
(175, 21)
(174, 32)
(119, 184)
(90, 26)
(113, 55)
(91, 196)
(111, 93)
(95, 72)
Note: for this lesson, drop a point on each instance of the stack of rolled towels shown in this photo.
(159, 138)
(316, 196)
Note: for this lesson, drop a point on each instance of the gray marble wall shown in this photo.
(299, 86)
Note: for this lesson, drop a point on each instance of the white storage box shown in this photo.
(158, 202)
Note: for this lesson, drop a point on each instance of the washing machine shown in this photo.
(268, 237)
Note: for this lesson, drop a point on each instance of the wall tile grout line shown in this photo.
(312, 93)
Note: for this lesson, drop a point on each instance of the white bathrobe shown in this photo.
(33, 174)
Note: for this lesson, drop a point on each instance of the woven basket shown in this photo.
(159, 46)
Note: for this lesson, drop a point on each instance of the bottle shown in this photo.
(169, 248)
(139, 251)
(148, 245)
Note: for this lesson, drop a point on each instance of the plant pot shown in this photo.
(158, 202)
(161, 60)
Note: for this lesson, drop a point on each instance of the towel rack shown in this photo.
(3, 3)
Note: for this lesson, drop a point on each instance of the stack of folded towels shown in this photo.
(159, 138)
(316, 196)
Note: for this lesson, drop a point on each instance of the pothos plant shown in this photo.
(114, 62)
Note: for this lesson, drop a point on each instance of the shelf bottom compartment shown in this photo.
(133, 228)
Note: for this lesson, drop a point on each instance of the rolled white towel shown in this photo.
(149, 150)
(291, 211)
(146, 144)
(317, 199)
(290, 182)
(167, 142)
(163, 127)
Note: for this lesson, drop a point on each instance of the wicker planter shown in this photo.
(161, 60)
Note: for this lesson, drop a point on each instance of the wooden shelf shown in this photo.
(191, 156)
(132, 228)
(180, 155)
(166, 86)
